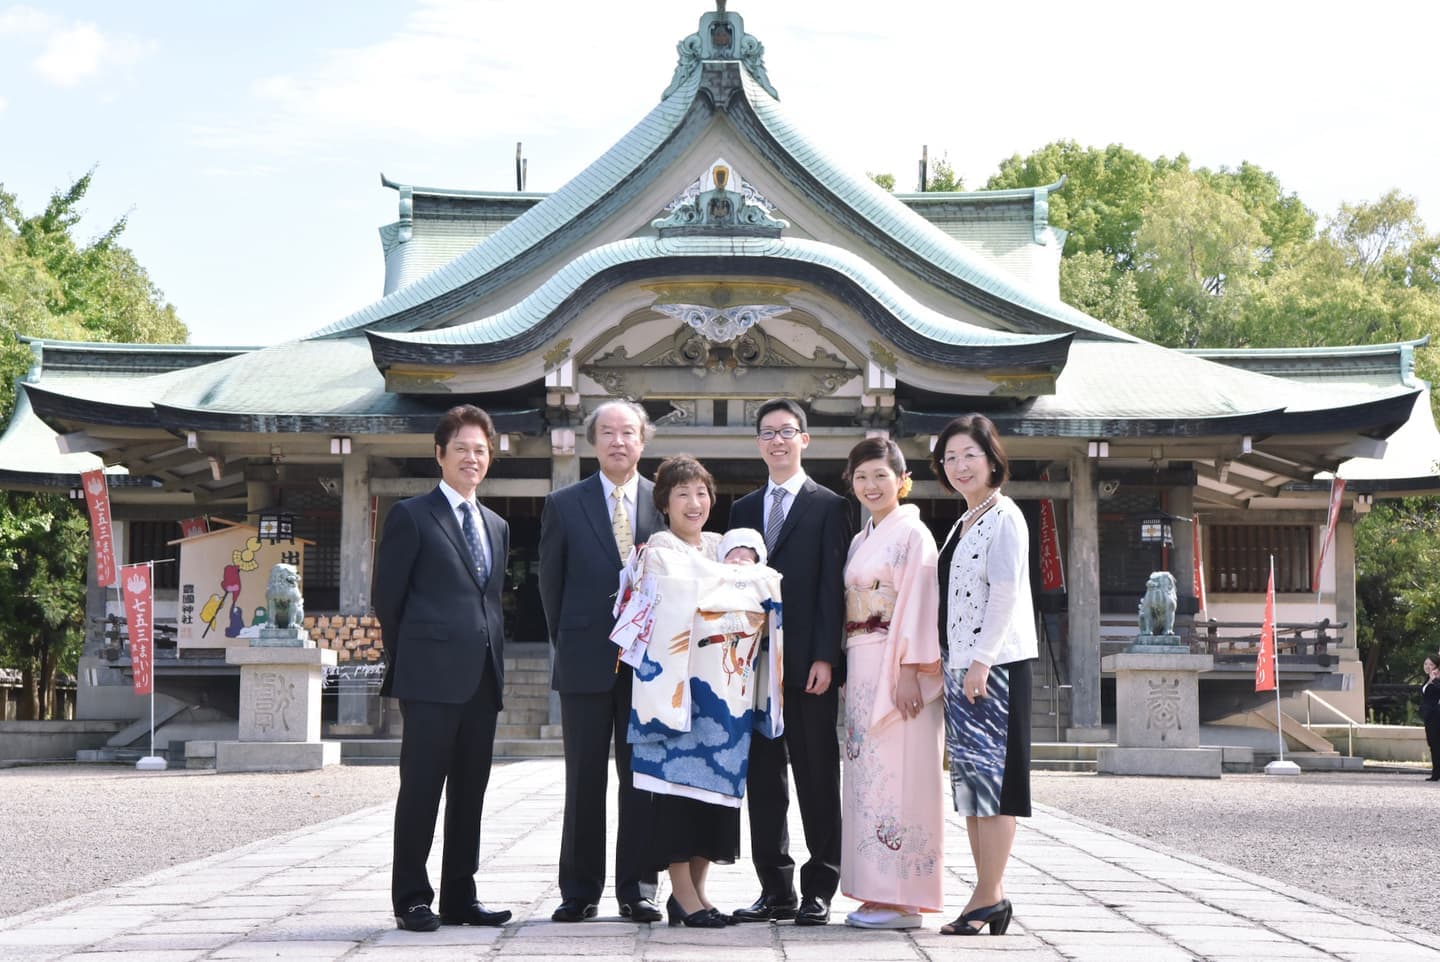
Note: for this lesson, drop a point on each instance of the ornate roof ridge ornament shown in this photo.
(721, 325)
(721, 36)
(719, 210)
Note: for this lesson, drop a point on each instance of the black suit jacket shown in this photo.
(435, 614)
(579, 574)
(810, 553)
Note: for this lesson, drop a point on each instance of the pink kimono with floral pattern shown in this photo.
(892, 823)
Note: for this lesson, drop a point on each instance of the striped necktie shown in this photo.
(777, 518)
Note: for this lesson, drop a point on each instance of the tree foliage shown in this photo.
(1192, 257)
(53, 287)
(941, 176)
(1397, 584)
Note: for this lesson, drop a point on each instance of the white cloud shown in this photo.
(3, 104)
(455, 71)
(20, 19)
(70, 53)
(79, 52)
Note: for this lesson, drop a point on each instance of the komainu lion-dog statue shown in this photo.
(285, 607)
(1157, 608)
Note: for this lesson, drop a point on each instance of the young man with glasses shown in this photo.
(807, 531)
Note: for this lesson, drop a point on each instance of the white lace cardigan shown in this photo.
(990, 613)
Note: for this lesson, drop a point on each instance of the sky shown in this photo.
(245, 142)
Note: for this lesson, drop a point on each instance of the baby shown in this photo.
(742, 546)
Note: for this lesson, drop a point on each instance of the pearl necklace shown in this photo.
(979, 508)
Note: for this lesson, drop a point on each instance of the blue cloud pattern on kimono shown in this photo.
(713, 755)
(649, 668)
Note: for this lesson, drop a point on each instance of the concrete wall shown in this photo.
(35, 740)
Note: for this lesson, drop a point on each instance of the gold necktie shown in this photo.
(620, 524)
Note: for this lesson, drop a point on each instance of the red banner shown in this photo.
(1199, 566)
(102, 536)
(1265, 658)
(190, 527)
(135, 582)
(1052, 568)
(1337, 497)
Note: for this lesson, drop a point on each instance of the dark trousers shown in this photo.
(813, 750)
(445, 747)
(1432, 737)
(592, 722)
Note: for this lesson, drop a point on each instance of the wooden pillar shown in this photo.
(1182, 553)
(564, 469)
(1083, 596)
(357, 549)
(1345, 604)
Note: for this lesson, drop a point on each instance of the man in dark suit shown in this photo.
(586, 530)
(438, 574)
(807, 531)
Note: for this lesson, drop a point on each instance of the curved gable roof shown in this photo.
(719, 86)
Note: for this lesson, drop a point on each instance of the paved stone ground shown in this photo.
(1081, 892)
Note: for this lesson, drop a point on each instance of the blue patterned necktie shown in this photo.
(777, 518)
(472, 538)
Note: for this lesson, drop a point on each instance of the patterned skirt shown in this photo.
(988, 743)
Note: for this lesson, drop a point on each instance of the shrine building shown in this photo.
(713, 258)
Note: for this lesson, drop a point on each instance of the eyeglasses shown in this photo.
(952, 460)
(789, 433)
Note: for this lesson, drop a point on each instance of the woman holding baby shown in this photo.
(702, 682)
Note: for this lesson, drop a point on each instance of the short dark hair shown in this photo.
(981, 430)
(457, 417)
(874, 449)
(678, 470)
(782, 404)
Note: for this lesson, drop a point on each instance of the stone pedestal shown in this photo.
(279, 711)
(1157, 713)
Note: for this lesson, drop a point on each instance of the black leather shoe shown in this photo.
(574, 910)
(640, 910)
(417, 918)
(813, 911)
(766, 909)
(475, 914)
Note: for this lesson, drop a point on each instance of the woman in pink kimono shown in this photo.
(894, 705)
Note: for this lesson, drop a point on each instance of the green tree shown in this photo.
(53, 287)
(1197, 254)
(941, 176)
(885, 181)
(1106, 190)
(1090, 281)
(1397, 584)
(44, 547)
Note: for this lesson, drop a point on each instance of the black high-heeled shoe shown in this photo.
(703, 919)
(996, 916)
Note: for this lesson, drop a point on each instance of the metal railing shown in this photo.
(1350, 724)
(1055, 689)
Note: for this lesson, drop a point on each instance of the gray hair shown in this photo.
(647, 430)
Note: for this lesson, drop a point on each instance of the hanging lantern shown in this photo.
(276, 525)
(1155, 527)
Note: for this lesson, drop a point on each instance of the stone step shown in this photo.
(526, 678)
(517, 731)
(524, 716)
(528, 748)
(527, 700)
(528, 665)
(1058, 765)
(386, 751)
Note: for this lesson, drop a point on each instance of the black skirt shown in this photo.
(685, 828)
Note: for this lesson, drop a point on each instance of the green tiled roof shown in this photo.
(553, 292)
(896, 232)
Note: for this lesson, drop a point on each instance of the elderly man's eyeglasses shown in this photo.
(789, 433)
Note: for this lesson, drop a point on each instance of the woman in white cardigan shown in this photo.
(987, 629)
